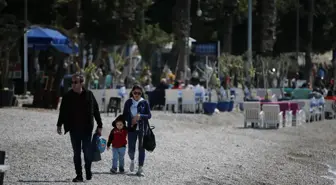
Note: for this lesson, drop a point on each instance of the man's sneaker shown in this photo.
(113, 170)
(140, 171)
(121, 170)
(132, 166)
(78, 179)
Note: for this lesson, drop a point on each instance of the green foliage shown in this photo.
(214, 81)
(89, 73)
(231, 63)
(63, 1)
(119, 60)
(10, 32)
(154, 36)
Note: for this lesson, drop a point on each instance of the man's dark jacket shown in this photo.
(68, 106)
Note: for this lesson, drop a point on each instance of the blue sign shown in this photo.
(205, 49)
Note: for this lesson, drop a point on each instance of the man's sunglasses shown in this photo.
(137, 93)
(75, 82)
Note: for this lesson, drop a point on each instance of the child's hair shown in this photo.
(119, 118)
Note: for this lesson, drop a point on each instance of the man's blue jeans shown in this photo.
(118, 155)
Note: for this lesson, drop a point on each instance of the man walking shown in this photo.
(78, 109)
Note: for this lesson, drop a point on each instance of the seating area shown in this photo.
(110, 100)
(177, 101)
(302, 106)
(189, 101)
(275, 112)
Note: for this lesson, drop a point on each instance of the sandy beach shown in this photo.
(191, 149)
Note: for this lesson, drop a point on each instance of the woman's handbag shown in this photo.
(149, 142)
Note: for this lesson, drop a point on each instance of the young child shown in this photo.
(118, 140)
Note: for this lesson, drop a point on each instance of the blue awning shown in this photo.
(45, 36)
(64, 48)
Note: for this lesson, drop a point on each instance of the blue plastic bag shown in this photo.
(101, 144)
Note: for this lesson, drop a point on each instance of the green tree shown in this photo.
(11, 31)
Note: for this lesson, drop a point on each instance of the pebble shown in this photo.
(191, 149)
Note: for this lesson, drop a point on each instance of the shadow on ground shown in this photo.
(45, 181)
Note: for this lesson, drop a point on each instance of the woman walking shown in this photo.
(137, 111)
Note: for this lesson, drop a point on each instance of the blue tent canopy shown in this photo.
(66, 48)
(37, 34)
(42, 38)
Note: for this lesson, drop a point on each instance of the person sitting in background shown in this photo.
(121, 89)
(223, 91)
(188, 85)
(177, 85)
(148, 86)
(247, 93)
(170, 80)
(324, 91)
(158, 95)
(199, 90)
(163, 85)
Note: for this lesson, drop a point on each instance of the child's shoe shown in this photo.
(114, 171)
(121, 170)
(140, 171)
(132, 166)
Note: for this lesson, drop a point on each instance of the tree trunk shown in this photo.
(267, 29)
(181, 26)
(309, 64)
(225, 27)
(3, 4)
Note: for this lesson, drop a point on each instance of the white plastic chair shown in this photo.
(126, 97)
(171, 98)
(272, 116)
(300, 116)
(320, 109)
(309, 112)
(188, 99)
(261, 92)
(111, 93)
(252, 113)
(239, 97)
(277, 92)
(99, 95)
(214, 96)
(329, 107)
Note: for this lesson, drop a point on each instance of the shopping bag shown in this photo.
(101, 144)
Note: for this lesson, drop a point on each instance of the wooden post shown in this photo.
(2, 162)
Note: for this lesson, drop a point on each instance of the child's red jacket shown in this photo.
(118, 138)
